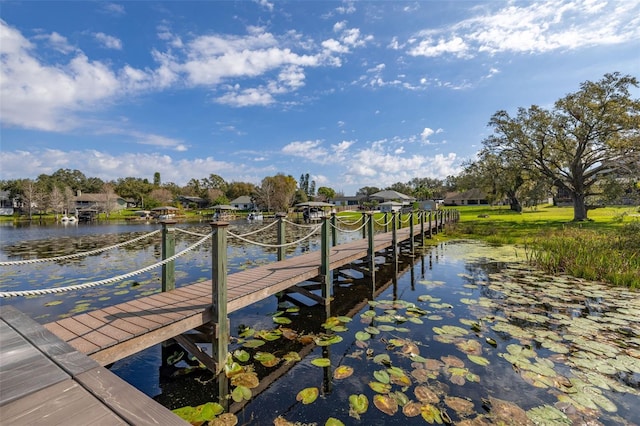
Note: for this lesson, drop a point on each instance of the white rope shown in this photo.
(260, 230)
(40, 292)
(384, 224)
(348, 231)
(346, 222)
(277, 245)
(195, 234)
(71, 256)
(299, 225)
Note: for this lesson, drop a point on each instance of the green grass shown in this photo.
(604, 248)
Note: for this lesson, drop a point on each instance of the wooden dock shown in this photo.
(118, 331)
(44, 381)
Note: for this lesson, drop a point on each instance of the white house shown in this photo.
(390, 206)
(243, 202)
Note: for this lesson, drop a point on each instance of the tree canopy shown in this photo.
(589, 135)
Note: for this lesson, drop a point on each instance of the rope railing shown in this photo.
(40, 292)
(382, 223)
(348, 231)
(74, 255)
(309, 235)
(299, 225)
(346, 222)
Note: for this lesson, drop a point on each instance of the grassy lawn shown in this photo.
(605, 248)
(503, 226)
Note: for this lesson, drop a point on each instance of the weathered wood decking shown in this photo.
(115, 332)
(44, 381)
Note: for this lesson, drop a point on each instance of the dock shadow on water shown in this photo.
(463, 334)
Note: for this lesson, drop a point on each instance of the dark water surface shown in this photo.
(465, 331)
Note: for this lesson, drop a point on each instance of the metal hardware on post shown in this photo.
(281, 235)
(220, 343)
(168, 250)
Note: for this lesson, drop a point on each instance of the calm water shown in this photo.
(465, 328)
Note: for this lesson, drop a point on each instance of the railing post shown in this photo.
(168, 250)
(220, 343)
(325, 270)
(422, 213)
(412, 243)
(281, 235)
(386, 222)
(364, 228)
(394, 237)
(334, 229)
(370, 251)
(430, 224)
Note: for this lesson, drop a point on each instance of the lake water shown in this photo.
(465, 331)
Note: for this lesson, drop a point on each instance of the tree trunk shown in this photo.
(579, 207)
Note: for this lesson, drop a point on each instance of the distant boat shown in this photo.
(72, 219)
(64, 219)
(255, 216)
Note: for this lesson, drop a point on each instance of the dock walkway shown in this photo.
(44, 381)
(115, 332)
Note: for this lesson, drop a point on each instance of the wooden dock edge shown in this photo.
(106, 398)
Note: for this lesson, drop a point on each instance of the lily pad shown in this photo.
(342, 372)
(321, 362)
(386, 404)
(308, 395)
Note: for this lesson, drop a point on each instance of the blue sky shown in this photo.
(356, 94)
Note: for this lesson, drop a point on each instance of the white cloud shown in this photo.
(57, 42)
(265, 4)
(108, 41)
(246, 97)
(113, 8)
(310, 150)
(347, 8)
(426, 133)
(23, 164)
(535, 27)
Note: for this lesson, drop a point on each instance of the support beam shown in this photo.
(220, 339)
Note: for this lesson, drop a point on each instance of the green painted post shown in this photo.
(370, 250)
(412, 243)
(334, 229)
(394, 237)
(364, 228)
(281, 235)
(325, 271)
(430, 224)
(168, 250)
(220, 343)
(422, 213)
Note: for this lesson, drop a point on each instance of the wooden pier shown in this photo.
(110, 334)
(44, 381)
(54, 374)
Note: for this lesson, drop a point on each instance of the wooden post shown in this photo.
(386, 223)
(220, 343)
(430, 225)
(394, 237)
(370, 251)
(411, 243)
(422, 213)
(325, 270)
(334, 229)
(364, 228)
(281, 235)
(168, 250)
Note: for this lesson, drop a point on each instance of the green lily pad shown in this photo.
(321, 362)
(308, 395)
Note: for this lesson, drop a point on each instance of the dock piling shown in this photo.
(220, 341)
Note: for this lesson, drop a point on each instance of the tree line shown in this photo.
(585, 149)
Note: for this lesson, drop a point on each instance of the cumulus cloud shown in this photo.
(108, 41)
(22, 164)
(57, 42)
(265, 4)
(310, 150)
(535, 27)
(113, 8)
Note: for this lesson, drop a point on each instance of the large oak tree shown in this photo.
(587, 136)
